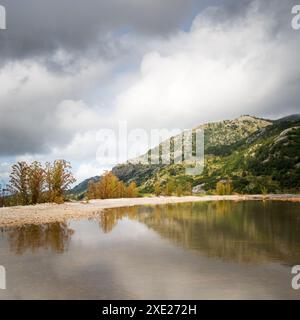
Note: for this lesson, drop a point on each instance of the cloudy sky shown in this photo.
(69, 68)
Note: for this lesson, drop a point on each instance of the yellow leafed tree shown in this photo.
(110, 187)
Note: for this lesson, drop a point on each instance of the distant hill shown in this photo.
(290, 118)
(79, 190)
(257, 155)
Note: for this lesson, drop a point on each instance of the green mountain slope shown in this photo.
(257, 155)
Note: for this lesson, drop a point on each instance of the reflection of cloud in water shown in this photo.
(151, 267)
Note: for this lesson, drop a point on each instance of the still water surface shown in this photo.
(214, 250)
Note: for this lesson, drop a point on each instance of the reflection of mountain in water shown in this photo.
(239, 231)
(54, 236)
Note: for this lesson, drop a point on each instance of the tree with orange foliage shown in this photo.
(36, 181)
(59, 178)
(31, 184)
(18, 183)
(132, 191)
(110, 187)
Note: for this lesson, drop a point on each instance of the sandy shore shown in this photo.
(46, 213)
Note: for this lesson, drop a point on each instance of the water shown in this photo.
(215, 250)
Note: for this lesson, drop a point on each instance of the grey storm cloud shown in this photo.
(29, 129)
(38, 27)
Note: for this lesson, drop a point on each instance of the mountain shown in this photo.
(256, 155)
(290, 118)
(79, 190)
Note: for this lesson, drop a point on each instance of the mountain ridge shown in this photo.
(247, 150)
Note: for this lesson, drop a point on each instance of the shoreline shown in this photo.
(49, 213)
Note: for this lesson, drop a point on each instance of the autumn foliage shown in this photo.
(110, 187)
(33, 183)
(224, 187)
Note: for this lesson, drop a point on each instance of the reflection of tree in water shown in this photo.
(54, 236)
(240, 231)
(109, 218)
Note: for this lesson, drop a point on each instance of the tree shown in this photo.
(169, 189)
(18, 183)
(220, 188)
(48, 181)
(179, 191)
(36, 181)
(58, 179)
(224, 187)
(228, 187)
(132, 191)
(109, 187)
(157, 189)
(121, 190)
(189, 188)
(31, 184)
(264, 190)
(3, 191)
(91, 193)
(113, 186)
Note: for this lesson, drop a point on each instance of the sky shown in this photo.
(70, 68)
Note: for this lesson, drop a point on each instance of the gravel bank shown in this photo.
(47, 213)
